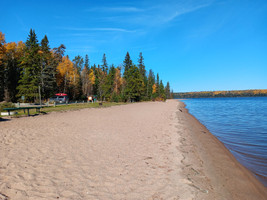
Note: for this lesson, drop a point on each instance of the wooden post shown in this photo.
(40, 95)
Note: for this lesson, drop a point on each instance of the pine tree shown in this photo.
(141, 66)
(102, 76)
(134, 84)
(157, 86)
(142, 70)
(104, 64)
(162, 91)
(101, 82)
(168, 91)
(150, 83)
(77, 64)
(31, 69)
(109, 83)
(96, 84)
(85, 82)
(48, 71)
(58, 54)
(127, 63)
(86, 62)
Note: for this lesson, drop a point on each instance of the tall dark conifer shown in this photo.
(134, 84)
(77, 64)
(104, 64)
(157, 86)
(31, 69)
(48, 71)
(168, 90)
(141, 65)
(142, 70)
(127, 64)
(109, 83)
(150, 83)
(86, 62)
(161, 90)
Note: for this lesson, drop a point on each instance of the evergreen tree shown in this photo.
(101, 82)
(162, 91)
(141, 66)
(109, 83)
(127, 63)
(58, 53)
(102, 76)
(134, 84)
(157, 86)
(57, 57)
(48, 71)
(96, 85)
(86, 62)
(104, 64)
(168, 91)
(85, 77)
(31, 68)
(150, 83)
(142, 70)
(77, 64)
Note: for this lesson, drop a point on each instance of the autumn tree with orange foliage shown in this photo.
(67, 75)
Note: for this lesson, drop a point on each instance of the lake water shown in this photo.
(241, 124)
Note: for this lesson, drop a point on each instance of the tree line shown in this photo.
(30, 67)
(213, 94)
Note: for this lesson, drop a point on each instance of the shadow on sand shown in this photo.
(4, 120)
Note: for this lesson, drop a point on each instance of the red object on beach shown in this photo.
(61, 94)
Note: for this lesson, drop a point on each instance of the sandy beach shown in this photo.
(150, 150)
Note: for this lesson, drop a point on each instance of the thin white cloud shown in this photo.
(98, 29)
(183, 11)
(156, 15)
(115, 9)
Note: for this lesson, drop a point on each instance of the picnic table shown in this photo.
(24, 108)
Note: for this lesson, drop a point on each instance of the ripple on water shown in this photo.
(241, 124)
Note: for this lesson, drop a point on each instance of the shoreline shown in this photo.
(148, 150)
(226, 174)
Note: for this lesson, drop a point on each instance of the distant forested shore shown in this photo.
(32, 68)
(213, 94)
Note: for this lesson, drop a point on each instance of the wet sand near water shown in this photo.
(150, 150)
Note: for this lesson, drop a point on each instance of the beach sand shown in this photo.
(150, 150)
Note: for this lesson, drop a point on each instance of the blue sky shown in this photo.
(196, 45)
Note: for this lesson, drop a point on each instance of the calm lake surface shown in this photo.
(241, 124)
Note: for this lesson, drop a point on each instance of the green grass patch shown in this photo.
(62, 108)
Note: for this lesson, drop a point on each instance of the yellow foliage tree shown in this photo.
(154, 89)
(117, 81)
(14, 50)
(91, 77)
(67, 75)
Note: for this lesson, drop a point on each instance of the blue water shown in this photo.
(241, 124)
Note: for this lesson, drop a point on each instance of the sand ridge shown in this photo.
(137, 151)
